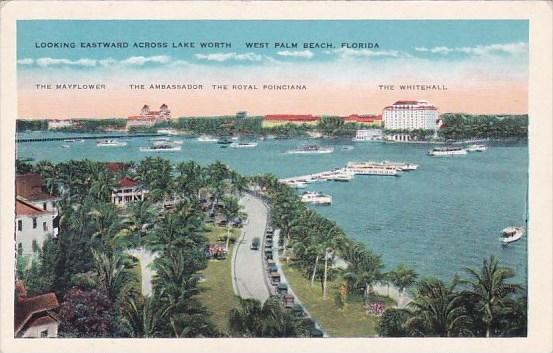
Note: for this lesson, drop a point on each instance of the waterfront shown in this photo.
(443, 217)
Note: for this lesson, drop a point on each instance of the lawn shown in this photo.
(349, 321)
(217, 293)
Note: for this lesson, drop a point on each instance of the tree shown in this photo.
(145, 319)
(113, 276)
(40, 276)
(437, 310)
(230, 210)
(402, 277)
(87, 314)
(391, 323)
(490, 289)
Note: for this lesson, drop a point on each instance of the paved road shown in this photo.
(146, 259)
(248, 272)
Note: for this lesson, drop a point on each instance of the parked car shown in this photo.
(255, 244)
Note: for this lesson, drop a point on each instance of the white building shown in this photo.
(127, 191)
(33, 225)
(411, 115)
(368, 135)
(59, 124)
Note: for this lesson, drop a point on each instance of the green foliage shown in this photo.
(38, 271)
(220, 125)
(391, 323)
(95, 125)
(31, 125)
(466, 126)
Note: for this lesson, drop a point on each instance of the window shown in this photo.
(44, 206)
(44, 226)
(34, 222)
(19, 225)
(44, 334)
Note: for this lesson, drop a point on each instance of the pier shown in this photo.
(90, 137)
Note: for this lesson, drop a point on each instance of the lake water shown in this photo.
(439, 219)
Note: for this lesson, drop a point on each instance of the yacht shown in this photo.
(476, 148)
(316, 198)
(110, 143)
(511, 234)
(160, 146)
(401, 166)
(206, 138)
(311, 149)
(447, 151)
(370, 169)
(243, 145)
(342, 176)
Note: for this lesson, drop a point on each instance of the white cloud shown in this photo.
(306, 54)
(45, 62)
(347, 53)
(480, 50)
(26, 61)
(220, 57)
(141, 60)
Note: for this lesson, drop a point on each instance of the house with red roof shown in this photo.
(127, 191)
(148, 118)
(35, 317)
(29, 187)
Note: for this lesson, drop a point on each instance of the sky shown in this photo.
(482, 64)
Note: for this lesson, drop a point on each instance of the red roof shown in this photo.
(29, 186)
(25, 307)
(127, 182)
(23, 208)
(288, 117)
(114, 167)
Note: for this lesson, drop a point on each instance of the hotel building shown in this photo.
(148, 118)
(411, 115)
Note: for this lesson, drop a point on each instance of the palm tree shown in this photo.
(102, 186)
(230, 210)
(106, 223)
(113, 277)
(140, 215)
(145, 320)
(402, 277)
(247, 319)
(189, 180)
(490, 288)
(437, 310)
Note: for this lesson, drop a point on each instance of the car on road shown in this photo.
(255, 244)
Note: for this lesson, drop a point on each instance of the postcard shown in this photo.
(233, 176)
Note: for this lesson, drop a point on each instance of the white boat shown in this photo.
(167, 131)
(476, 148)
(178, 142)
(316, 198)
(401, 166)
(311, 149)
(243, 145)
(206, 138)
(70, 140)
(342, 176)
(160, 146)
(296, 184)
(110, 143)
(365, 168)
(511, 234)
(447, 151)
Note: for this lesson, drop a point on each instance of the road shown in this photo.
(247, 265)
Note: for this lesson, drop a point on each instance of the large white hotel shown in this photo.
(411, 115)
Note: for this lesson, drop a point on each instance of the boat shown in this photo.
(447, 151)
(511, 234)
(160, 146)
(296, 184)
(110, 143)
(311, 149)
(178, 142)
(167, 131)
(70, 140)
(243, 145)
(235, 138)
(342, 176)
(368, 168)
(316, 198)
(401, 166)
(476, 148)
(206, 138)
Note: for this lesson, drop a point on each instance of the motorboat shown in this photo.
(160, 146)
(447, 151)
(476, 148)
(316, 198)
(243, 145)
(206, 138)
(511, 234)
(342, 176)
(110, 143)
(311, 149)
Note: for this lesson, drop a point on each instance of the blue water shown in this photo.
(439, 219)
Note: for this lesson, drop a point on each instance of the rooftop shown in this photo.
(24, 208)
(25, 307)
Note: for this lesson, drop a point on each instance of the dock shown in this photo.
(90, 137)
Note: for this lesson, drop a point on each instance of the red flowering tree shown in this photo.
(87, 314)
